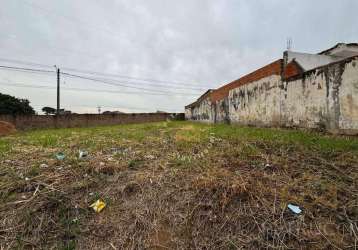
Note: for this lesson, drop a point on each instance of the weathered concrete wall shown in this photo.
(221, 109)
(274, 68)
(348, 96)
(207, 111)
(24, 122)
(325, 97)
(201, 112)
(257, 103)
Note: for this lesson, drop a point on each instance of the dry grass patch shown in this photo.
(178, 185)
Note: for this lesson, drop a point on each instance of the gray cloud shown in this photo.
(196, 41)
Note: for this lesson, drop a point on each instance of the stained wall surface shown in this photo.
(325, 98)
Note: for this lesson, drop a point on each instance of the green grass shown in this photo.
(307, 139)
(5, 146)
(98, 137)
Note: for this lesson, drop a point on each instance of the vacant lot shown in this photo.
(178, 185)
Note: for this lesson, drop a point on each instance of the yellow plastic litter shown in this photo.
(98, 206)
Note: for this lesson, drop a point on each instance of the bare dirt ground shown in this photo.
(178, 185)
(6, 128)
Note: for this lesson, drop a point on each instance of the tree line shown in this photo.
(10, 105)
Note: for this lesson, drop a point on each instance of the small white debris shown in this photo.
(43, 165)
(82, 154)
(149, 157)
(294, 208)
(27, 179)
(102, 164)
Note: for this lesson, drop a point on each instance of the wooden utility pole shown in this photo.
(58, 92)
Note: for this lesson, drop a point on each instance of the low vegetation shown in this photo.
(178, 185)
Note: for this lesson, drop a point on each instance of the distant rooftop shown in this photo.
(342, 50)
(310, 61)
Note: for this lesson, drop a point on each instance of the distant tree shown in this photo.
(10, 105)
(48, 110)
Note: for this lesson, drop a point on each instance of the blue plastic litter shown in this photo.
(60, 156)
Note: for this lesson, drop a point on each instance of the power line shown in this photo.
(109, 82)
(25, 63)
(101, 80)
(117, 83)
(147, 81)
(128, 77)
(22, 85)
(105, 81)
(26, 69)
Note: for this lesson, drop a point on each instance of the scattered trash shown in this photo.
(295, 209)
(267, 165)
(60, 156)
(149, 157)
(98, 206)
(213, 139)
(91, 193)
(27, 179)
(82, 154)
(43, 165)
(115, 151)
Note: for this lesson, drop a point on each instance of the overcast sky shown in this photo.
(188, 45)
